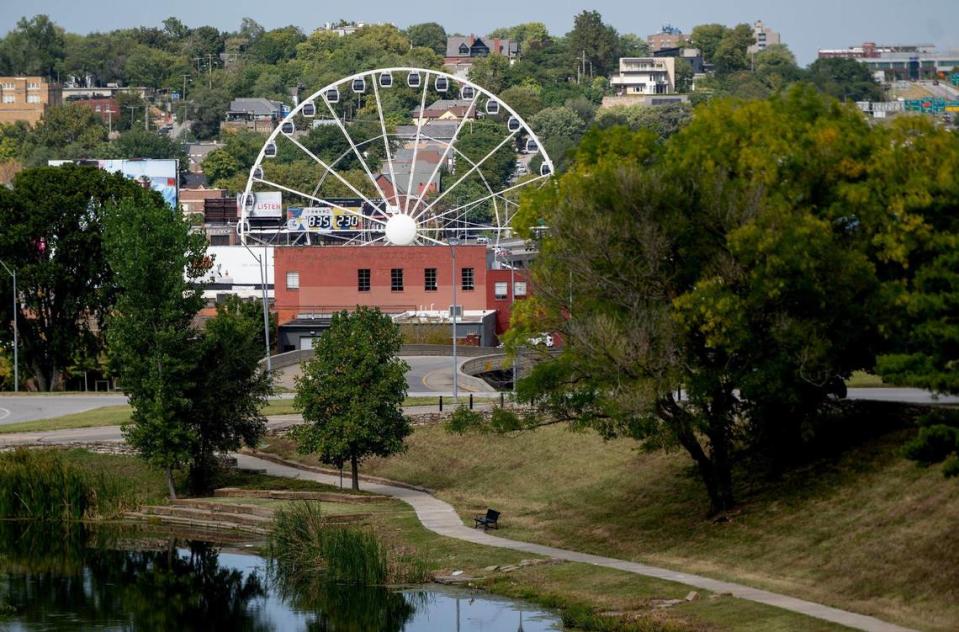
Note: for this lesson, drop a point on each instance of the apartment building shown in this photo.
(765, 37)
(645, 75)
(27, 98)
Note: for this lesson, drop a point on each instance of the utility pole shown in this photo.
(16, 342)
(454, 314)
(183, 97)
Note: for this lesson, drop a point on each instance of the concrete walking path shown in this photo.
(440, 517)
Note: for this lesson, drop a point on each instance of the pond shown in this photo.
(69, 578)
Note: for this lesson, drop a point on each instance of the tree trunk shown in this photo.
(354, 465)
(169, 483)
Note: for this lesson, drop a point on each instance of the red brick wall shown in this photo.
(502, 306)
(328, 278)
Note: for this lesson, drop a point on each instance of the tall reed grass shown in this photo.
(303, 545)
(39, 485)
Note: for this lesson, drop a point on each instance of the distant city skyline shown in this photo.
(805, 26)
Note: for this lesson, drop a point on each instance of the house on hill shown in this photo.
(445, 110)
(461, 50)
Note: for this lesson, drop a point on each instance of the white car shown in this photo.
(544, 339)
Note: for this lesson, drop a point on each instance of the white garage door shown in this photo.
(306, 343)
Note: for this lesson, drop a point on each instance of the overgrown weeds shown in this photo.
(40, 485)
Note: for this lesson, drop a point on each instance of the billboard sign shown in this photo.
(264, 205)
(160, 175)
(324, 219)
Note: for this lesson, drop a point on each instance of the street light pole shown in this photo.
(16, 341)
(453, 313)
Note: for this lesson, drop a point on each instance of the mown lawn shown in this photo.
(866, 530)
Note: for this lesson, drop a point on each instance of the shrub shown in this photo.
(937, 441)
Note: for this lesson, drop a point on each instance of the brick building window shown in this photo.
(468, 279)
(396, 279)
(33, 98)
(9, 98)
(292, 280)
(501, 291)
(429, 279)
(519, 289)
(363, 280)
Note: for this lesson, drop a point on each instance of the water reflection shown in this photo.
(59, 577)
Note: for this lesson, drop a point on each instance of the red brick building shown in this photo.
(313, 282)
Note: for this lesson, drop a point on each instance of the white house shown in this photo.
(645, 75)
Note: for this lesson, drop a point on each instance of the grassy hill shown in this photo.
(864, 530)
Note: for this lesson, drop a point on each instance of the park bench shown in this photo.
(489, 521)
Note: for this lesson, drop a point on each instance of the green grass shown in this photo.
(866, 531)
(861, 379)
(104, 416)
(573, 587)
(119, 415)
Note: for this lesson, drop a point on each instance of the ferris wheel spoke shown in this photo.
(356, 150)
(373, 241)
(484, 198)
(446, 151)
(331, 171)
(386, 145)
(416, 144)
(466, 175)
(430, 239)
(320, 200)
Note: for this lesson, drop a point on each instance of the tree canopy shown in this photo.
(714, 290)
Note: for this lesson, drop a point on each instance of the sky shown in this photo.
(805, 25)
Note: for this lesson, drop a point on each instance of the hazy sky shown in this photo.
(806, 25)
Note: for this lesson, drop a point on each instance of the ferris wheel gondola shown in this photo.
(386, 80)
(308, 109)
(413, 79)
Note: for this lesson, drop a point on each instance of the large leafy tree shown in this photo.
(428, 35)
(351, 392)
(707, 37)
(731, 55)
(194, 393)
(845, 79)
(34, 47)
(151, 342)
(51, 231)
(715, 290)
(598, 42)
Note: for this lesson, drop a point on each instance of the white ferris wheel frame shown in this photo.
(318, 99)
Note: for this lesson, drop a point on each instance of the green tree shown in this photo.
(219, 165)
(525, 99)
(352, 391)
(147, 66)
(275, 46)
(707, 37)
(731, 54)
(662, 120)
(140, 143)
(632, 45)
(51, 231)
(492, 73)
(207, 109)
(65, 132)
(561, 122)
(152, 345)
(34, 47)
(845, 79)
(594, 40)
(228, 388)
(739, 273)
(428, 35)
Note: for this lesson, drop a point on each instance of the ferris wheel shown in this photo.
(397, 156)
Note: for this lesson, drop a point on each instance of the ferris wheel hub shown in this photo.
(401, 230)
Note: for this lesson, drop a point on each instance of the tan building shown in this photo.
(27, 98)
(765, 37)
(645, 76)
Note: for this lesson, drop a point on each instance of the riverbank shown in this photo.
(863, 530)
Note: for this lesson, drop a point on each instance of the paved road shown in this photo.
(439, 517)
(16, 408)
(427, 374)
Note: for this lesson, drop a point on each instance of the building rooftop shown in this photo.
(256, 106)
